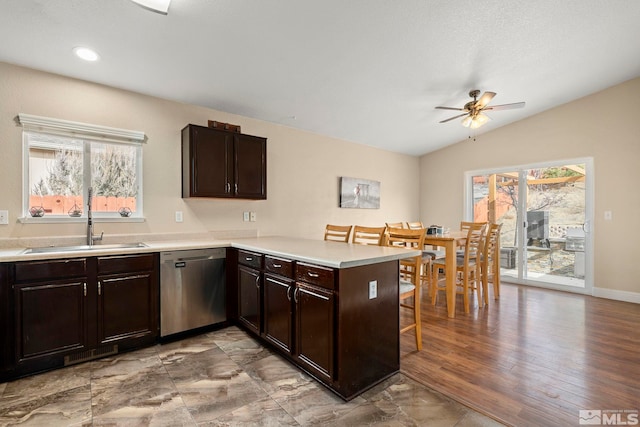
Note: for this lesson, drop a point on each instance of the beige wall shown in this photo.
(303, 168)
(604, 126)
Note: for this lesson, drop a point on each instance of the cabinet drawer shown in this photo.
(50, 269)
(250, 259)
(316, 275)
(279, 266)
(125, 264)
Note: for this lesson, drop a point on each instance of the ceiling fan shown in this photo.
(473, 110)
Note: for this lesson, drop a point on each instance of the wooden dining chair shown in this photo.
(465, 225)
(395, 224)
(490, 267)
(429, 253)
(337, 233)
(409, 275)
(468, 273)
(368, 235)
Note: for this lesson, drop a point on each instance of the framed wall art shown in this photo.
(359, 193)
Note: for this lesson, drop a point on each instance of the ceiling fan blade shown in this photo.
(453, 118)
(449, 108)
(484, 100)
(506, 106)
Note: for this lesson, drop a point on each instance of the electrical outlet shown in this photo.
(252, 216)
(373, 289)
(4, 217)
(178, 216)
(245, 216)
(608, 215)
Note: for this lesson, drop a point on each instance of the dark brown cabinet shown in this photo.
(51, 308)
(127, 299)
(314, 302)
(6, 323)
(314, 329)
(218, 163)
(323, 319)
(70, 310)
(279, 288)
(250, 290)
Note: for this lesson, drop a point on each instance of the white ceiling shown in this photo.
(367, 71)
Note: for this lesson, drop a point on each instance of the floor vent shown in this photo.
(90, 355)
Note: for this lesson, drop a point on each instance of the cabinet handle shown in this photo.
(314, 275)
(228, 188)
(236, 188)
(277, 265)
(99, 287)
(295, 295)
(258, 282)
(316, 295)
(84, 286)
(289, 293)
(248, 258)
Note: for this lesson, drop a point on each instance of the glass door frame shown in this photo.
(522, 184)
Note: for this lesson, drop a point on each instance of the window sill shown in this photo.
(68, 220)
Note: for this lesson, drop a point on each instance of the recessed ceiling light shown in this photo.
(160, 6)
(86, 53)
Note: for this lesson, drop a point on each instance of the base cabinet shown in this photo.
(314, 329)
(250, 290)
(278, 311)
(323, 320)
(70, 310)
(127, 300)
(7, 361)
(51, 318)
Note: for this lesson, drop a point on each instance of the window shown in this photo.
(62, 160)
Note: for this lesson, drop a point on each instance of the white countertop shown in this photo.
(328, 254)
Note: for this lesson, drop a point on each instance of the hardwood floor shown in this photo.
(535, 357)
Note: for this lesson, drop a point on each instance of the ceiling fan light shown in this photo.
(479, 120)
(466, 122)
(160, 6)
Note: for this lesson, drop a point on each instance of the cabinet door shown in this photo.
(207, 162)
(7, 355)
(127, 307)
(278, 313)
(314, 329)
(249, 297)
(250, 161)
(50, 318)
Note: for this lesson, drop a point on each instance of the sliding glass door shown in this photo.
(545, 212)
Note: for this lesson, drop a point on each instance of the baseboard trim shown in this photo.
(625, 296)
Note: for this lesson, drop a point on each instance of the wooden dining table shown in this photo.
(450, 241)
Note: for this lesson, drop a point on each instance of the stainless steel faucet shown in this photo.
(90, 237)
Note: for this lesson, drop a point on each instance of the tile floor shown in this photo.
(215, 379)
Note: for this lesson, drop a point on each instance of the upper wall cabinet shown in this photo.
(217, 163)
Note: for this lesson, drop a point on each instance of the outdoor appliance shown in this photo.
(574, 242)
(538, 228)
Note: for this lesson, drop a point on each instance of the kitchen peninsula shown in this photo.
(330, 308)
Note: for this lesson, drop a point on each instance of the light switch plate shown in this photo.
(178, 216)
(245, 216)
(4, 217)
(373, 289)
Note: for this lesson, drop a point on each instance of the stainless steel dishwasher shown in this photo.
(192, 289)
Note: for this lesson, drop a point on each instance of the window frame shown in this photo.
(89, 134)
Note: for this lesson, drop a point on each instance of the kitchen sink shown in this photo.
(80, 248)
